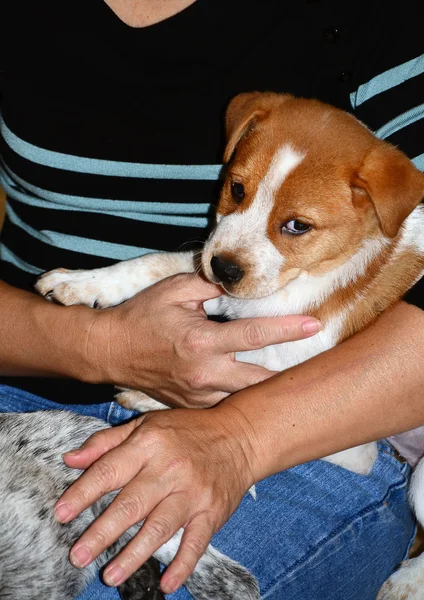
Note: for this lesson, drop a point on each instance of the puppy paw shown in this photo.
(133, 400)
(407, 583)
(93, 288)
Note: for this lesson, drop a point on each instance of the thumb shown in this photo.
(98, 444)
(190, 289)
(244, 375)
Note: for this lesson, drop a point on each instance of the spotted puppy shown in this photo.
(316, 216)
(34, 547)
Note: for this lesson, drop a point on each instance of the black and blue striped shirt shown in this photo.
(112, 137)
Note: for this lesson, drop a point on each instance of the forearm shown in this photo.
(367, 388)
(39, 338)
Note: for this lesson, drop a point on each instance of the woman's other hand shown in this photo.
(181, 468)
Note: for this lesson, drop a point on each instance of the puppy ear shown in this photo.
(393, 184)
(244, 112)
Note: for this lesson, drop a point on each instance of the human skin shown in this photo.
(369, 387)
(137, 13)
(190, 468)
(159, 342)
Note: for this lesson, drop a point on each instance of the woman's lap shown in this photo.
(315, 531)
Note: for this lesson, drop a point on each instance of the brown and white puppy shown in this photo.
(317, 216)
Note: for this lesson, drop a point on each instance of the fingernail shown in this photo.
(80, 557)
(170, 586)
(311, 326)
(63, 513)
(73, 452)
(113, 576)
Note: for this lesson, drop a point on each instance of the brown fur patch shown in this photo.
(350, 186)
(384, 283)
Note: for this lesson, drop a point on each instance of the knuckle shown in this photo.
(199, 380)
(158, 528)
(254, 335)
(153, 438)
(130, 509)
(101, 538)
(210, 498)
(195, 545)
(106, 474)
(82, 495)
(134, 557)
(179, 466)
(196, 341)
(287, 331)
(187, 564)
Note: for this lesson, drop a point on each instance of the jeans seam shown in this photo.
(110, 412)
(335, 532)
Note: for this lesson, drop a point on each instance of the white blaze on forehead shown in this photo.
(248, 230)
(283, 162)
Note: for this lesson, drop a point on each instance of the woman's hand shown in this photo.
(161, 342)
(181, 468)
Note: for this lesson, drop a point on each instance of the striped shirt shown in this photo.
(111, 138)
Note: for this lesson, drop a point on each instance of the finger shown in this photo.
(252, 334)
(159, 527)
(195, 540)
(98, 444)
(111, 472)
(242, 375)
(131, 506)
(188, 289)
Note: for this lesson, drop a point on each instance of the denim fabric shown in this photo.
(315, 532)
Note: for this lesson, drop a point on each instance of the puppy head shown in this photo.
(306, 185)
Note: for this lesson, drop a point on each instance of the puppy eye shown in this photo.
(237, 191)
(296, 227)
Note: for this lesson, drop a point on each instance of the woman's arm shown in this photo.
(189, 468)
(369, 387)
(159, 341)
(39, 338)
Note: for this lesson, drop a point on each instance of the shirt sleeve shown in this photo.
(388, 88)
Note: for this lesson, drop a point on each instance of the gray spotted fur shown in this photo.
(34, 548)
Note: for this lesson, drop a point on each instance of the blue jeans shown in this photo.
(315, 532)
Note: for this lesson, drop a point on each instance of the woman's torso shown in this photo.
(112, 136)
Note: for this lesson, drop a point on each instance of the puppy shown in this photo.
(34, 547)
(316, 216)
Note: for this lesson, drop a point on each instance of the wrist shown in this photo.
(65, 335)
(241, 433)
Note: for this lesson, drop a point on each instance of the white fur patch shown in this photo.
(413, 234)
(305, 291)
(359, 459)
(298, 297)
(407, 583)
(247, 231)
(112, 285)
(416, 491)
(413, 231)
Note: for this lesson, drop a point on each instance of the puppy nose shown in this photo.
(226, 271)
